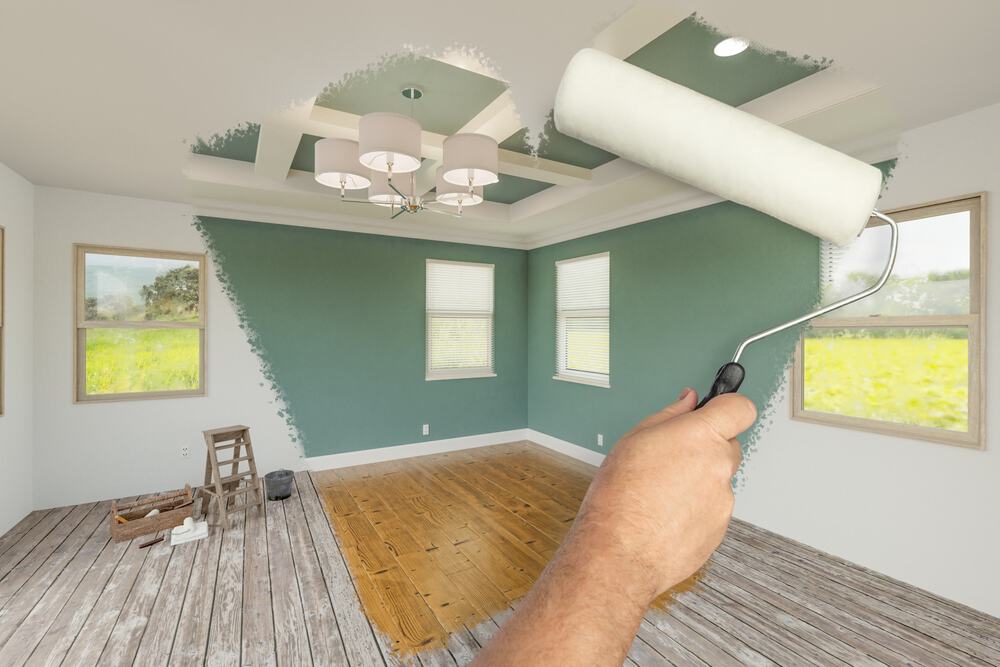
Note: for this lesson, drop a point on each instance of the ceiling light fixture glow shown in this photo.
(337, 165)
(381, 193)
(471, 159)
(731, 46)
(389, 142)
(456, 195)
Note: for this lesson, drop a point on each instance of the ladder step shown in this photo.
(243, 489)
(232, 445)
(234, 478)
(237, 492)
(236, 460)
(226, 433)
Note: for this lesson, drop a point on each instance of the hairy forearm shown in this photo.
(584, 610)
(656, 509)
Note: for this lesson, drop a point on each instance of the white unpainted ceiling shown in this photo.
(106, 96)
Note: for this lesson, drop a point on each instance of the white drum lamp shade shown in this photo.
(456, 195)
(337, 165)
(389, 139)
(471, 157)
(379, 192)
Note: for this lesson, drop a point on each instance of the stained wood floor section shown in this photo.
(448, 541)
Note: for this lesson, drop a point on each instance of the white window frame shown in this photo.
(974, 321)
(81, 324)
(459, 373)
(566, 374)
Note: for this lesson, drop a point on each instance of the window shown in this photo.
(459, 320)
(583, 314)
(908, 360)
(140, 324)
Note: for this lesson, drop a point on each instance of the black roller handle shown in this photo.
(727, 381)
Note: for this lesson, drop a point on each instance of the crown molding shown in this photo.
(872, 149)
(276, 215)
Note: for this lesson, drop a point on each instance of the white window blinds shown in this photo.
(583, 310)
(459, 320)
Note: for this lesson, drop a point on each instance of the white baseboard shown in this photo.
(453, 445)
(564, 447)
(413, 449)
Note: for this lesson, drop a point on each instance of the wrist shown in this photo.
(605, 557)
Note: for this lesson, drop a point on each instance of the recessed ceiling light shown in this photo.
(731, 46)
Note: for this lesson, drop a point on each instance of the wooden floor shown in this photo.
(463, 535)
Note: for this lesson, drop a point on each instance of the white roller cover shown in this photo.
(671, 129)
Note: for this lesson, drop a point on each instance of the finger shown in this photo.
(728, 414)
(735, 455)
(685, 403)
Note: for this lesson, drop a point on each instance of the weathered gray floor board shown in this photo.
(18, 530)
(273, 588)
(947, 645)
(843, 576)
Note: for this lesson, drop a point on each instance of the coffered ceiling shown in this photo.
(218, 104)
(559, 183)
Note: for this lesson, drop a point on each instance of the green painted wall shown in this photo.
(685, 289)
(338, 320)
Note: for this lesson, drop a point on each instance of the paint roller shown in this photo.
(714, 147)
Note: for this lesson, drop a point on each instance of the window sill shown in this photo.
(604, 384)
(472, 375)
(966, 439)
(137, 396)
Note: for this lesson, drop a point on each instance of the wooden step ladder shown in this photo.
(224, 486)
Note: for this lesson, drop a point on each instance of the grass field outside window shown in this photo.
(906, 361)
(140, 324)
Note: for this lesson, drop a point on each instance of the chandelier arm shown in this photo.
(398, 213)
(396, 190)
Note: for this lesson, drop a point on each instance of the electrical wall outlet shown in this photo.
(427, 429)
(600, 439)
(185, 451)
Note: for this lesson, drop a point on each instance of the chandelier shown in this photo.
(385, 158)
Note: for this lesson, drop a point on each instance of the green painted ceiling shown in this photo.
(511, 189)
(684, 54)
(452, 96)
(239, 143)
(305, 156)
(555, 145)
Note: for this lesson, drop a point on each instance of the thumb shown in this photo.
(685, 403)
(728, 415)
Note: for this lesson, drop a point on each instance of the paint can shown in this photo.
(278, 484)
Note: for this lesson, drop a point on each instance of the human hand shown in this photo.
(660, 503)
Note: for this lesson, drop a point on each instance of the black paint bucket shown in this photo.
(278, 484)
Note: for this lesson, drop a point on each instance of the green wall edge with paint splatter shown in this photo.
(337, 319)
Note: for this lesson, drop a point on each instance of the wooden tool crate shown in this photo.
(174, 506)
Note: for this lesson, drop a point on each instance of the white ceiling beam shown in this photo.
(641, 24)
(279, 139)
(816, 92)
(499, 119)
(333, 123)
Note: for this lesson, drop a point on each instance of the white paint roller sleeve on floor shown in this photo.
(671, 129)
